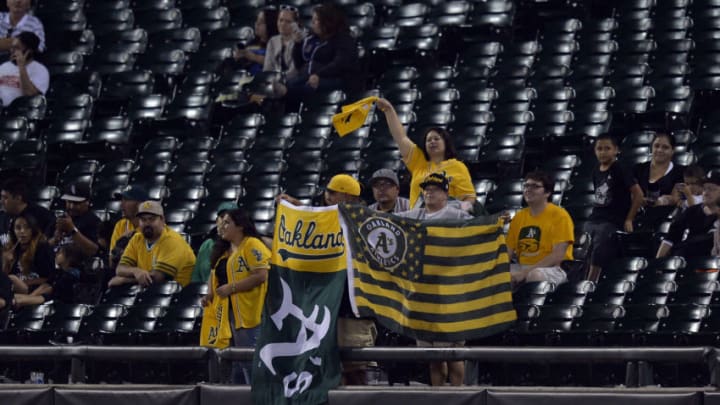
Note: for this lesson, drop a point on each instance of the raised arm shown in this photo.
(397, 130)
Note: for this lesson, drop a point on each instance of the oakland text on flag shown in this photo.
(439, 281)
(296, 358)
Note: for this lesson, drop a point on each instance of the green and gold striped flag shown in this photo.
(436, 281)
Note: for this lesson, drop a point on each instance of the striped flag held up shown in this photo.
(435, 280)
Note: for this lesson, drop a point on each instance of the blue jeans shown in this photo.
(241, 370)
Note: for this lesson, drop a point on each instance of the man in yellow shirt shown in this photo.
(541, 235)
(130, 199)
(156, 253)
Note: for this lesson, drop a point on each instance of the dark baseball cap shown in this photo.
(436, 179)
(133, 192)
(384, 174)
(713, 177)
(76, 192)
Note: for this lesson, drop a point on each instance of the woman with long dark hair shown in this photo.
(28, 258)
(246, 269)
(325, 59)
(436, 155)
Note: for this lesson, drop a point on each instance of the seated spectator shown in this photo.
(617, 200)
(657, 179)
(155, 254)
(204, 261)
(540, 236)
(23, 76)
(435, 189)
(326, 59)
(77, 225)
(386, 191)
(28, 258)
(691, 232)
(14, 198)
(130, 199)
(279, 53)
(69, 260)
(252, 56)
(690, 191)
(16, 20)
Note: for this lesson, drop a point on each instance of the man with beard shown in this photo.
(155, 254)
(386, 191)
(77, 225)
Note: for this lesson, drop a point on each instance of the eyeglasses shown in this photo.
(531, 186)
(289, 8)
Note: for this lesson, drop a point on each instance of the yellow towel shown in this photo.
(353, 116)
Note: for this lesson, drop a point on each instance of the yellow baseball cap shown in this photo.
(343, 183)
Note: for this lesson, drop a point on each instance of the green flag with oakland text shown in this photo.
(296, 358)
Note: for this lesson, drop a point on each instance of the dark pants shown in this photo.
(241, 370)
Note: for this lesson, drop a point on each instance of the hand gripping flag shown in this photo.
(296, 357)
(444, 280)
(353, 116)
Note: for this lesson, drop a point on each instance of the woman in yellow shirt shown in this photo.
(437, 155)
(247, 265)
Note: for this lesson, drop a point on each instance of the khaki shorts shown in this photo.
(353, 332)
(425, 343)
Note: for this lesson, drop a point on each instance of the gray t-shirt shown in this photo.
(445, 213)
(401, 204)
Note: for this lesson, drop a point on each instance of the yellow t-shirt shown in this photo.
(532, 238)
(170, 254)
(121, 226)
(457, 173)
(251, 255)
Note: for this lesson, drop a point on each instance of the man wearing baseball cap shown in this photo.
(77, 224)
(156, 253)
(435, 189)
(130, 198)
(690, 233)
(386, 191)
(340, 188)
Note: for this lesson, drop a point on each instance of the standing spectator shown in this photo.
(279, 53)
(68, 259)
(18, 19)
(326, 59)
(540, 236)
(155, 254)
(690, 233)
(246, 269)
(386, 191)
(435, 191)
(351, 331)
(204, 263)
(618, 198)
(437, 155)
(23, 76)
(657, 179)
(130, 199)
(77, 225)
(27, 258)
(15, 201)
